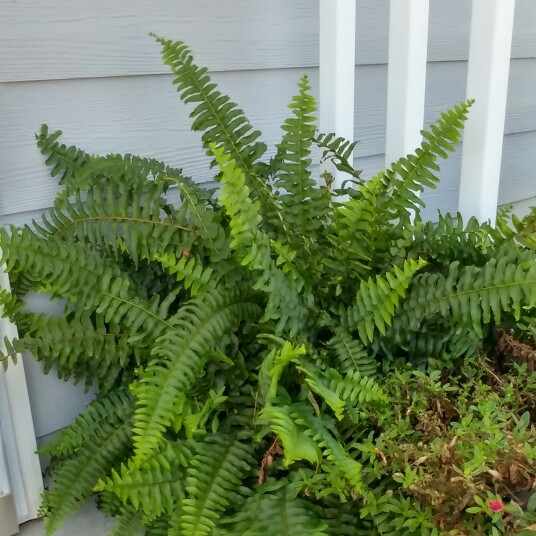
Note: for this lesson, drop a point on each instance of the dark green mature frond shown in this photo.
(75, 479)
(472, 296)
(178, 359)
(73, 271)
(93, 422)
(274, 509)
(377, 299)
(339, 151)
(405, 178)
(350, 355)
(304, 204)
(342, 518)
(221, 120)
(155, 486)
(214, 483)
(113, 211)
(80, 171)
(82, 347)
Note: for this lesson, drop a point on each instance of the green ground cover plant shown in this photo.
(280, 356)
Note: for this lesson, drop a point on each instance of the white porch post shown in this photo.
(487, 83)
(17, 430)
(337, 71)
(408, 42)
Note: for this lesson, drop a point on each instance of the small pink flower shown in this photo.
(496, 506)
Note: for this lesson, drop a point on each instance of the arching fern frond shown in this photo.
(274, 509)
(377, 300)
(472, 296)
(155, 486)
(214, 482)
(339, 151)
(93, 422)
(220, 119)
(82, 347)
(75, 479)
(179, 357)
(304, 204)
(349, 354)
(129, 522)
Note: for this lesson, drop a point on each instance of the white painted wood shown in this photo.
(487, 83)
(337, 72)
(18, 429)
(408, 42)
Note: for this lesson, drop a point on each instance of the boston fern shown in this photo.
(244, 340)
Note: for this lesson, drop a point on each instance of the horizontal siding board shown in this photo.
(143, 115)
(60, 39)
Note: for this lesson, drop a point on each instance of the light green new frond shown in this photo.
(155, 486)
(76, 477)
(221, 120)
(252, 248)
(343, 393)
(93, 422)
(332, 448)
(278, 361)
(472, 296)
(214, 482)
(378, 298)
(297, 445)
(304, 204)
(196, 278)
(178, 359)
(350, 355)
(274, 510)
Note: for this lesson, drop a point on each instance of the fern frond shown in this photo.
(304, 205)
(128, 522)
(214, 482)
(179, 358)
(472, 296)
(332, 449)
(297, 445)
(155, 486)
(274, 509)
(377, 299)
(93, 422)
(196, 278)
(112, 211)
(405, 178)
(342, 518)
(339, 151)
(76, 477)
(221, 121)
(82, 347)
(350, 355)
(343, 394)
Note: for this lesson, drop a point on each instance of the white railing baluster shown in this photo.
(408, 42)
(337, 71)
(487, 83)
(17, 425)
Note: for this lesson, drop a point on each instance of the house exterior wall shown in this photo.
(91, 70)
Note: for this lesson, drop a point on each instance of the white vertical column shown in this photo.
(487, 82)
(16, 427)
(408, 43)
(337, 71)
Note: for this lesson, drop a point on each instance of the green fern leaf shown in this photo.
(179, 358)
